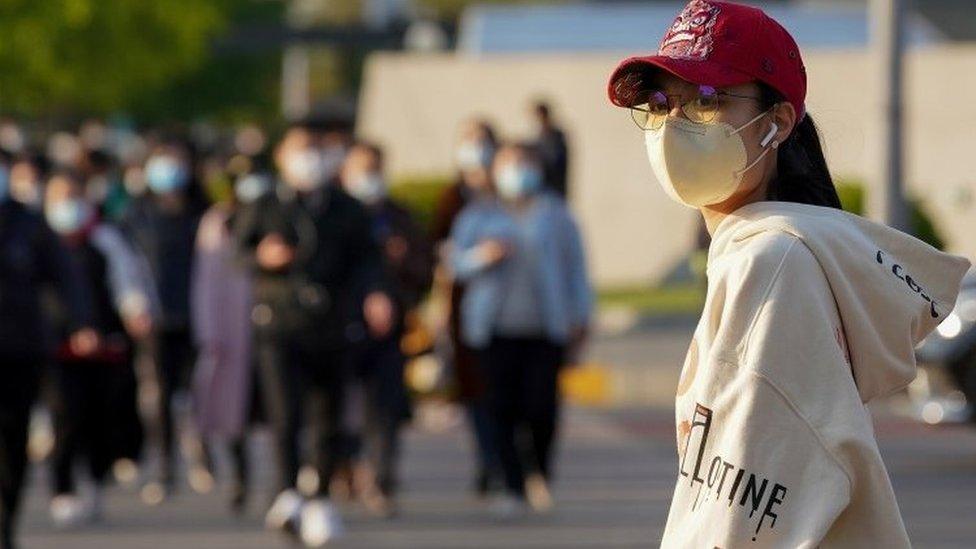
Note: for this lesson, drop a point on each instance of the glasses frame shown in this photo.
(636, 111)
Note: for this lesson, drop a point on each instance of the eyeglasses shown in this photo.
(653, 107)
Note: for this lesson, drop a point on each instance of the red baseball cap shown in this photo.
(720, 44)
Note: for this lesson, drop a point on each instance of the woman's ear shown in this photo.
(784, 116)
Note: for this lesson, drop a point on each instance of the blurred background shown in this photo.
(99, 86)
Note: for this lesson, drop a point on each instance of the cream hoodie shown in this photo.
(811, 313)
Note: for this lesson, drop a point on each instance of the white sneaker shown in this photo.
(320, 523)
(69, 511)
(537, 493)
(507, 507)
(285, 511)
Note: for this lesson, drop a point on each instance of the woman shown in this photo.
(378, 362)
(527, 305)
(221, 310)
(93, 397)
(473, 157)
(810, 313)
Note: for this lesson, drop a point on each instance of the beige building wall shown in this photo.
(414, 104)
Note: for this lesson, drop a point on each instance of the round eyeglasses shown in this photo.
(652, 107)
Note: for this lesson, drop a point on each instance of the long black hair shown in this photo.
(802, 173)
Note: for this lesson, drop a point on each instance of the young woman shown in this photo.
(472, 188)
(810, 313)
(527, 305)
(93, 396)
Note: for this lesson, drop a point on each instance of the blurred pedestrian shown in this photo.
(163, 226)
(378, 362)
(527, 308)
(32, 259)
(221, 306)
(550, 145)
(26, 182)
(811, 312)
(93, 396)
(317, 286)
(473, 157)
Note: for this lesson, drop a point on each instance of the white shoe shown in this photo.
(285, 511)
(320, 523)
(537, 493)
(507, 507)
(69, 511)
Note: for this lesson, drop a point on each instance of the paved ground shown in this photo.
(616, 472)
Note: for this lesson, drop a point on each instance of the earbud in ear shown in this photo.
(769, 136)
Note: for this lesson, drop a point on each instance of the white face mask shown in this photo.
(68, 216)
(304, 170)
(701, 164)
(517, 180)
(369, 187)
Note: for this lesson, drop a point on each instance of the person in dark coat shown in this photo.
(473, 158)
(93, 398)
(378, 362)
(318, 287)
(31, 259)
(162, 224)
(550, 147)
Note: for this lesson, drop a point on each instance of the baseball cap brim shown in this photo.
(622, 90)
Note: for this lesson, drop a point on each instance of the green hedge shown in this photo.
(852, 199)
(420, 194)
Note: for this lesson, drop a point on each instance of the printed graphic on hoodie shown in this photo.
(721, 482)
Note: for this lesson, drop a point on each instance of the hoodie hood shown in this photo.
(891, 289)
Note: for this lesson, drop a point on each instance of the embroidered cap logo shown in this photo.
(690, 36)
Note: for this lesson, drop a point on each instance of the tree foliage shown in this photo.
(100, 56)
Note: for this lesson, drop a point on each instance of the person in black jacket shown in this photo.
(378, 362)
(31, 258)
(163, 226)
(550, 145)
(318, 286)
(93, 398)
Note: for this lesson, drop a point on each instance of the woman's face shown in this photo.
(737, 112)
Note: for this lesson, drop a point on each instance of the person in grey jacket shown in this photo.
(527, 308)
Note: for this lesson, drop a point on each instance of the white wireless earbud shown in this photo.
(769, 136)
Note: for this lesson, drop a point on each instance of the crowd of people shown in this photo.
(274, 285)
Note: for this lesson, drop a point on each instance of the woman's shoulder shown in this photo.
(763, 260)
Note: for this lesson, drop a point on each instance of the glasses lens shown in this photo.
(704, 107)
(658, 109)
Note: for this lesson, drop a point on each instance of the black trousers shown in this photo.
(174, 355)
(302, 385)
(18, 388)
(378, 366)
(89, 410)
(524, 403)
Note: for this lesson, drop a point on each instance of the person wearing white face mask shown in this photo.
(318, 289)
(162, 225)
(527, 310)
(471, 190)
(221, 302)
(378, 362)
(810, 313)
(93, 397)
(34, 262)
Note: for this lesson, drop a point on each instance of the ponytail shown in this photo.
(802, 173)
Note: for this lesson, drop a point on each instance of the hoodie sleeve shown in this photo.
(132, 291)
(760, 430)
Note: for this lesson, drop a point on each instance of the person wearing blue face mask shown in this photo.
(163, 226)
(32, 259)
(93, 397)
(526, 309)
(471, 190)
(378, 362)
(221, 301)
